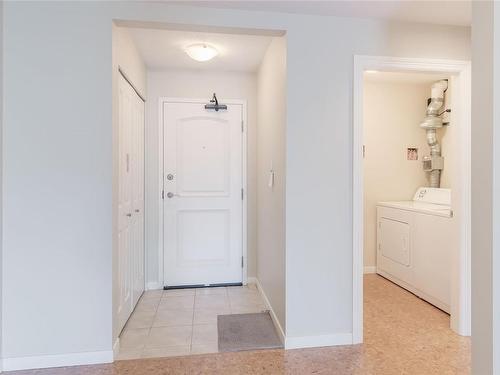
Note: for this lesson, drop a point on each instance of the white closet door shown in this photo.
(138, 201)
(203, 207)
(131, 201)
(124, 203)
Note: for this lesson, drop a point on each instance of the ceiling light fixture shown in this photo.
(201, 52)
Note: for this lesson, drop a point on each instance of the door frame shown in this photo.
(244, 148)
(461, 292)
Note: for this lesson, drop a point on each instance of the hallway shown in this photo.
(183, 321)
(403, 335)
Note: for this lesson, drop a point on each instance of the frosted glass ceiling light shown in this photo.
(201, 52)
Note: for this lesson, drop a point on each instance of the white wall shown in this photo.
(1, 166)
(319, 163)
(271, 151)
(495, 265)
(57, 202)
(485, 187)
(391, 118)
(58, 162)
(196, 84)
(129, 59)
(126, 57)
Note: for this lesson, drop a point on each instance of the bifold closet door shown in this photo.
(138, 201)
(131, 201)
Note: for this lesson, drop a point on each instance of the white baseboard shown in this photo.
(116, 347)
(57, 360)
(154, 285)
(317, 341)
(370, 269)
(276, 322)
(305, 341)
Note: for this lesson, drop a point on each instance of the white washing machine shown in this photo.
(415, 244)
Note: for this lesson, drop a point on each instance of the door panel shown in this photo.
(198, 230)
(203, 205)
(395, 240)
(395, 243)
(203, 157)
(124, 308)
(138, 200)
(130, 201)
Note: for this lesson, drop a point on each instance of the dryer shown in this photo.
(415, 244)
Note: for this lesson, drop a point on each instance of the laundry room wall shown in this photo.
(198, 84)
(391, 118)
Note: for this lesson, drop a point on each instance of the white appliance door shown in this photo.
(394, 240)
(395, 244)
(202, 204)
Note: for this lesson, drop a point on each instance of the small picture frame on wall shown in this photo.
(412, 153)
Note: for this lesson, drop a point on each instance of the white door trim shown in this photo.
(243, 104)
(461, 319)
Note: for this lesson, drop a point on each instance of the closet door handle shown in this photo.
(128, 215)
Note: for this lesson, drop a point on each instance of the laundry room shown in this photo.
(411, 159)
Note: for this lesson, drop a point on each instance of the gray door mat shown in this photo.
(247, 332)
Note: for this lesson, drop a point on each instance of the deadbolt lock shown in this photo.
(170, 176)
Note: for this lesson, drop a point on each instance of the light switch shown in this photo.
(271, 179)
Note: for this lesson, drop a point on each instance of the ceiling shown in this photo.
(404, 77)
(448, 12)
(164, 49)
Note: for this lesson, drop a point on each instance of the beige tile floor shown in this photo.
(182, 322)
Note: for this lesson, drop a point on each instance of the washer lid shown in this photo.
(433, 195)
(423, 207)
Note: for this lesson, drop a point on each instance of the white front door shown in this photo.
(202, 204)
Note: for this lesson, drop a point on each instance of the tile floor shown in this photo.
(184, 321)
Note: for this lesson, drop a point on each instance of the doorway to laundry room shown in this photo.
(412, 202)
(213, 190)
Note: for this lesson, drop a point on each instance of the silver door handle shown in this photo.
(170, 194)
(128, 215)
